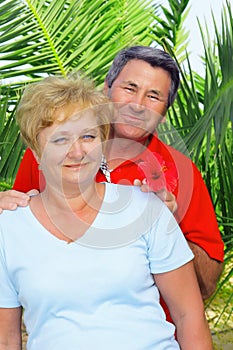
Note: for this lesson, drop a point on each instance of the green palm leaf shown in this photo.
(169, 30)
(55, 36)
(217, 102)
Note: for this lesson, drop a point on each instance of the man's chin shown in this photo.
(130, 131)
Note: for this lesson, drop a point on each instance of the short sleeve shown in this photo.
(167, 247)
(8, 294)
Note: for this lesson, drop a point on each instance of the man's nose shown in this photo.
(137, 103)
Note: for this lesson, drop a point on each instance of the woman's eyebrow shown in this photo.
(94, 129)
(61, 132)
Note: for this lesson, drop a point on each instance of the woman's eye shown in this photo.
(60, 140)
(88, 137)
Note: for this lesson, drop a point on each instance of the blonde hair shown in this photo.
(39, 102)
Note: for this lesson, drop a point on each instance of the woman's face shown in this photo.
(71, 151)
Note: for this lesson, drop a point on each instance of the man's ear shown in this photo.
(163, 120)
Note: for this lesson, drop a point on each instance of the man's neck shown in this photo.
(119, 150)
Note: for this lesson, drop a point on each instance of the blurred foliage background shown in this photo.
(55, 36)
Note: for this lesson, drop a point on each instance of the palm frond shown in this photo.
(11, 146)
(56, 36)
(218, 87)
(169, 30)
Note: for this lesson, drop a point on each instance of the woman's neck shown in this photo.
(68, 217)
(73, 199)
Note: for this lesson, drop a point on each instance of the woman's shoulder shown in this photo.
(130, 191)
(15, 217)
(131, 199)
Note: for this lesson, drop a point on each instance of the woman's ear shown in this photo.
(106, 88)
(36, 156)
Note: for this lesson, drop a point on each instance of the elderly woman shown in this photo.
(100, 291)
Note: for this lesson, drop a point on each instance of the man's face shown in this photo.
(140, 93)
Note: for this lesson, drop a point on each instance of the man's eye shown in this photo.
(129, 89)
(154, 97)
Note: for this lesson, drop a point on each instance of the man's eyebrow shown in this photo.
(156, 92)
(129, 82)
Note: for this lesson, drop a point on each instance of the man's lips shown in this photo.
(130, 118)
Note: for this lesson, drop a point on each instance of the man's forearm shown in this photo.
(10, 346)
(208, 270)
(10, 328)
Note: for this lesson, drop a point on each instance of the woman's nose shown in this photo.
(76, 150)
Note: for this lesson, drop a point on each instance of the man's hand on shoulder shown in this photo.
(167, 197)
(10, 200)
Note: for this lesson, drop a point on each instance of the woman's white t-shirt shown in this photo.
(98, 292)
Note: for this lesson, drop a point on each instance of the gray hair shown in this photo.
(155, 57)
